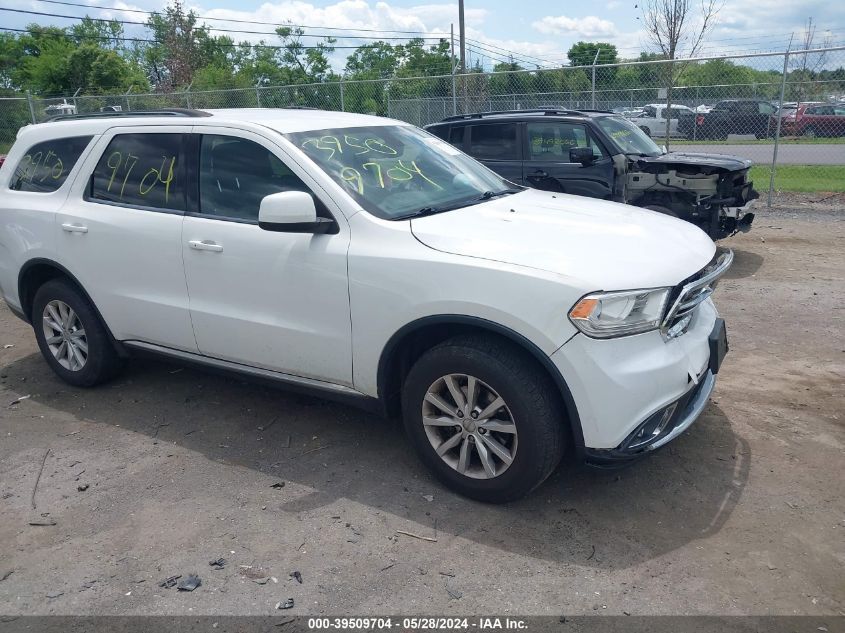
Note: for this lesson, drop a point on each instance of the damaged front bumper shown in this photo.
(671, 420)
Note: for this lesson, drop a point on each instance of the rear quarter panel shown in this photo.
(27, 219)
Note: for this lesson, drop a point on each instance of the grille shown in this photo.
(689, 294)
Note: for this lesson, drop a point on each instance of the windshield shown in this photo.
(627, 136)
(398, 171)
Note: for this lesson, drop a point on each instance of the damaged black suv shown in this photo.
(602, 155)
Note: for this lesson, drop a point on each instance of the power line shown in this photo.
(211, 28)
(153, 41)
(237, 21)
(523, 56)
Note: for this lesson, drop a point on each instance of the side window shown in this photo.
(494, 141)
(552, 141)
(46, 165)
(145, 170)
(812, 110)
(839, 111)
(765, 108)
(650, 112)
(236, 174)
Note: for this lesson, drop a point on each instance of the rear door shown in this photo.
(498, 146)
(839, 120)
(548, 165)
(119, 233)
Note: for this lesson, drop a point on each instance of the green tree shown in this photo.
(583, 54)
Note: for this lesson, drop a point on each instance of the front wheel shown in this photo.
(71, 336)
(484, 418)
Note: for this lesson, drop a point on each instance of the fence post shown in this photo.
(75, 104)
(454, 90)
(342, 101)
(126, 96)
(595, 61)
(257, 95)
(31, 107)
(188, 95)
(777, 129)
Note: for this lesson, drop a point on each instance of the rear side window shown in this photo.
(144, 170)
(494, 141)
(45, 166)
(456, 137)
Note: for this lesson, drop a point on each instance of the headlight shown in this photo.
(610, 314)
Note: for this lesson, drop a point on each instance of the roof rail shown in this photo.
(481, 115)
(178, 112)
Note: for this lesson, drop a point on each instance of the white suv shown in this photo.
(368, 260)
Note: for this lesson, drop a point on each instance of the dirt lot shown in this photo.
(744, 514)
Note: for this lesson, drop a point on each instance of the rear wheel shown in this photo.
(810, 132)
(71, 336)
(483, 417)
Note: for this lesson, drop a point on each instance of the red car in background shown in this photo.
(813, 119)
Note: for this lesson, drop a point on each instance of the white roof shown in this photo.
(295, 120)
(279, 119)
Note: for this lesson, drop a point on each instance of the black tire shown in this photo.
(102, 362)
(660, 209)
(532, 400)
(810, 132)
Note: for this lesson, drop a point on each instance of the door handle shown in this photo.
(205, 245)
(540, 174)
(74, 228)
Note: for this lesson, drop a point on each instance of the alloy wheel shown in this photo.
(65, 335)
(469, 426)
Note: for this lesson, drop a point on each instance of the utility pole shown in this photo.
(452, 69)
(462, 33)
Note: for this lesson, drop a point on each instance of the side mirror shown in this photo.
(292, 212)
(583, 155)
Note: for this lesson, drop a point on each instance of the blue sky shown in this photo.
(535, 32)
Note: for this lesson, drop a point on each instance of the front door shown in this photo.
(548, 165)
(278, 301)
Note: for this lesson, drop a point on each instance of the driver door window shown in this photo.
(236, 174)
(552, 141)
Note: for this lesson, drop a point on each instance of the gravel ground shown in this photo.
(744, 514)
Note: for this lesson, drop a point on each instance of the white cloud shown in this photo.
(588, 26)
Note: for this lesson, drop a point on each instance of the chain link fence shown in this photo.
(785, 111)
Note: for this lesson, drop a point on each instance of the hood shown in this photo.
(719, 161)
(599, 245)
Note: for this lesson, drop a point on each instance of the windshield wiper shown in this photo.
(487, 195)
(495, 194)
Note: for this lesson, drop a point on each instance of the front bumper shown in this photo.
(620, 384)
(686, 410)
